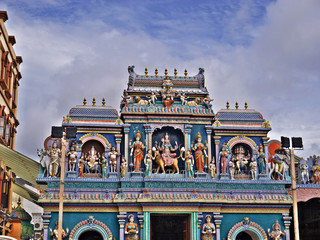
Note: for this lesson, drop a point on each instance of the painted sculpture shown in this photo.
(208, 229)
(81, 166)
(54, 233)
(72, 155)
(113, 156)
(44, 162)
(316, 172)
(131, 229)
(223, 157)
(152, 98)
(54, 153)
(304, 172)
(261, 160)
(167, 156)
(125, 100)
(92, 159)
(148, 163)
(212, 169)
(277, 165)
(200, 153)
(104, 166)
(124, 166)
(276, 231)
(253, 169)
(207, 100)
(231, 170)
(137, 152)
(240, 157)
(189, 162)
(183, 98)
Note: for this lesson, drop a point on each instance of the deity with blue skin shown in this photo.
(261, 160)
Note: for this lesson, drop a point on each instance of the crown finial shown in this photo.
(246, 106)
(175, 72)
(166, 72)
(156, 72)
(84, 102)
(237, 105)
(103, 102)
(228, 105)
(185, 73)
(93, 101)
(146, 71)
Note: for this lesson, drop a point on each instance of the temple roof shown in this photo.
(240, 119)
(153, 83)
(86, 115)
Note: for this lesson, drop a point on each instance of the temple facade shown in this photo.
(166, 166)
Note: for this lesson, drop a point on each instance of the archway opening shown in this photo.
(93, 153)
(243, 236)
(90, 235)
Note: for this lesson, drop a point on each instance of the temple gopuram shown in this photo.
(166, 166)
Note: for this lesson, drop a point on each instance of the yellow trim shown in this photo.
(97, 131)
(255, 210)
(240, 134)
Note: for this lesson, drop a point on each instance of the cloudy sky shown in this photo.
(264, 52)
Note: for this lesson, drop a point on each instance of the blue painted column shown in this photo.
(146, 232)
(187, 136)
(194, 225)
(118, 141)
(217, 220)
(209, 152)
(217, 144)
(287, 222)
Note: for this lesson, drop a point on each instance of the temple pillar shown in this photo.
(217, 220)
(146, 232)
(200, 216)
(209, 132)
(187, 140)
(121, 220)
(148, 131)
(126, 130)
(287, 222)
(217, 144)
(266, 151)
(46, 221)
(118, 141)
(141, 222)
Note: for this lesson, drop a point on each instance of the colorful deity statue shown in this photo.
(167, 149)
(72, 154)
(148, 163)
(125, 100)
(124, 166)
(113, 155)
(316, 171)
(276, 231)
(55, 154)
(261, 160)
(183, 98)
(231, 170)
(92, 158)
(253, 168)
(208, 229)
(137, 152)
(304, 168)
(241, 159)
(81, 166)
(223, 157)
(277, 165)
(200, 153)
(104, 166)
(54, 233)
(189, 162)
(212, 169)
(131, 229)
(152, 98)
(207, 100)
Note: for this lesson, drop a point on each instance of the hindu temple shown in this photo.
(166, 166)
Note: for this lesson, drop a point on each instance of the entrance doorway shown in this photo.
(243, 236)
(90, 235)
(170, 226)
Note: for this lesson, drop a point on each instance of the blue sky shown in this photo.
(262, 52)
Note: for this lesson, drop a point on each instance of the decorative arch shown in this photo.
(95, 136)
(161, 125)
(242, 139)
(90, 224)
(251, 228)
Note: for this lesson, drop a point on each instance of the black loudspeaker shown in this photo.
(71, 132)
(56, 132)
(285, 142)
(297, 142)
